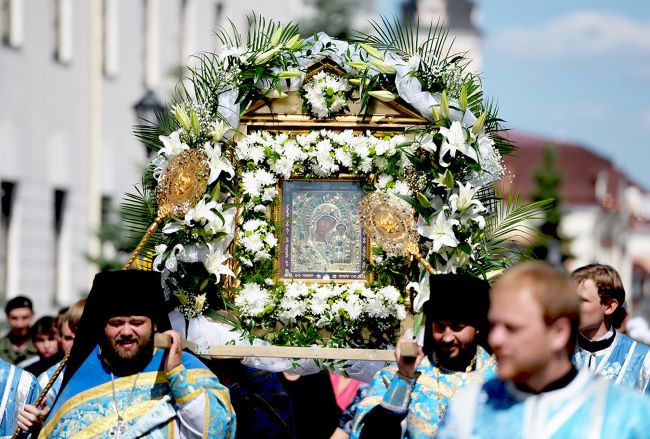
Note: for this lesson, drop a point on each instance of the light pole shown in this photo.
(147, 110)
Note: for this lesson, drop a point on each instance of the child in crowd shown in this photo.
(45, 338)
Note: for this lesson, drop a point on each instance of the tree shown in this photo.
(549, 245)
(334, 17)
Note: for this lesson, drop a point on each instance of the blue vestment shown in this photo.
(625, 362)
(17, 387)
(588, 407)
(45, 377)
(186, 402)
(423, 401)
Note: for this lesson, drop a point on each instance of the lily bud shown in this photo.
(479, 124)
(383, 67)
(444, 105)
(357, 81)
(289, 44)
(267, 56)
(196, 127)
(285, 74)
(436, 115)
(382, 95)
(423, 200)
(297, 44)
(448, 179)
(274, 93)
(462, 100)
(182, 117)
(359, 65)
(493, 273)
(371, 51)
(199, 302)
(275, 38)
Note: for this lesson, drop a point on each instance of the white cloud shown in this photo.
(579, 33)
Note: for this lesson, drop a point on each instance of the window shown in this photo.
(12, 29)
(7, 191)
(60, 266)
(63, 31)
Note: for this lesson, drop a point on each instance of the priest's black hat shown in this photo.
(116, 293)
(458, 298)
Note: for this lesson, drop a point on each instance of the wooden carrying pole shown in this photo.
(238, 351)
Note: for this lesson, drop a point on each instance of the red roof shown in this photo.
(580, 169)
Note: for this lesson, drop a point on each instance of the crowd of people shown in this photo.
(538, 354)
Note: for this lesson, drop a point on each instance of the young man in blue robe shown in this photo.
(17, 388)
(118, 385)
(411, 399)
(601, 349)
(534, 312)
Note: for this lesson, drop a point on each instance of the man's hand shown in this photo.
(31, 417)
(173, 354)
(407, 365)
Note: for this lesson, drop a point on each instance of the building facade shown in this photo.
(605, 215)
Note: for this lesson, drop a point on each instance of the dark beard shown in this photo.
(127, 366)
(459, 363)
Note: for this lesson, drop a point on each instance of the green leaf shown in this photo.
(465, 248)
(510, 221)
(417, 323)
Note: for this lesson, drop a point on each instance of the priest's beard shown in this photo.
(127, 362)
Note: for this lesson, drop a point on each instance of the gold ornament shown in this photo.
(180, 187)
(390, 224)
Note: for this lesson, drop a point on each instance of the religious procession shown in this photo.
(324, 242)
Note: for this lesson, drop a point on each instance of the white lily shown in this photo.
(173, 226)
(464, 198)
(172, 145)
(236, 52)
(426, 142)
(199, 302)
(203, 213)
(171, 263)
(218, 130)
(455, 140)
(423, 292)
(267, 56)
(214, 262)
(218, 162)
(440, 232)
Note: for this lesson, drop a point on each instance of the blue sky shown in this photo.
(573, 70)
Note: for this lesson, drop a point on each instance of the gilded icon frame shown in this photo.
(320, 237)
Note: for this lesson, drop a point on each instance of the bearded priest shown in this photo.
(117, 384)
(410, 400)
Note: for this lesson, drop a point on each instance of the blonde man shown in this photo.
(534, 313)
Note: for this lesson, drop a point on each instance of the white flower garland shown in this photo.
(326, 94)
